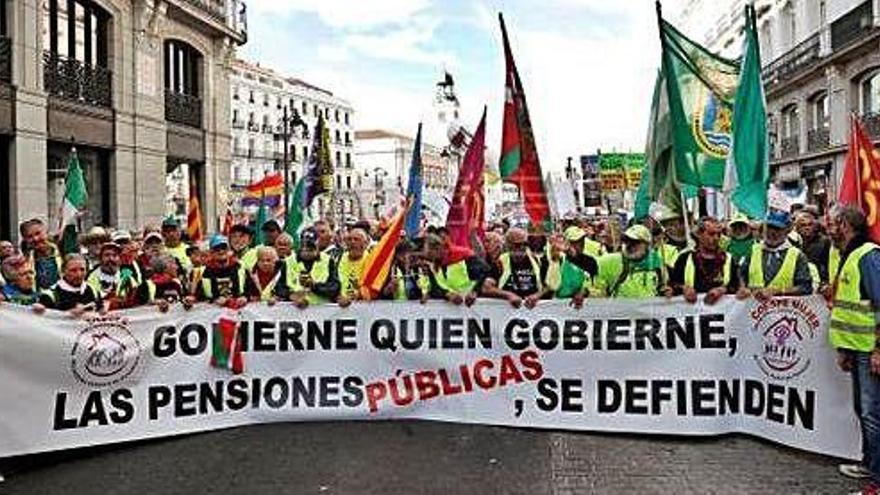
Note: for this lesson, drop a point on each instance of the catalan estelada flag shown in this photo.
(267, 191)
(377, 266)
(194, 215)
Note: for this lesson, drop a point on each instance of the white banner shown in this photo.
(634, 366)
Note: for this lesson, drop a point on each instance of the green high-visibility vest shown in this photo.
(506, 270)
(454, 278)
(320, 273)
(784, 279)
(669, 254)
(690, 270)
(593, 248)
(637, 283)
(852, 318)
(833, 263)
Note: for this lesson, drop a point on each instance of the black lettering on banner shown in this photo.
(163, 341)
(728, 397)
(681, 397)
(210, 394)
(701, 392)
(798, 409)
(636, 397)
(354, 392)
(597, 335)
(548, 340)
(572, 393)
(775, 403)
(382, 335)
(238, 394)
(617, 333)
(289, 335)
(712, 332)
(329, 391)
(61, 421)
(609, 396)
(201, 339)
(264, 340)
(346, 338)
(256, 392)
(648, 329)
(478, 331)
(676, 333)
(516, 340)
(93, 410)
(452, 330)
(158, 396)
(574, 335)
(661, 391)
(123, 409)
(412, 340)
(547, 399)
(185, 395)
(277, 392)
(304, 391)
(754, 398)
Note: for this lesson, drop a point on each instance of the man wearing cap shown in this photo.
(173, 245)
(312, 276)
(106, 278)
(152, 248)
(674, 238)
(44, 256)
(351, 266)
(740, 240)
(455, 274)
(164, 286)
(222, 281)
(240, 238)
(854, 333)
(92, 242)
(128, 254)
(635, 272)
(325, 239)
(706, 269)
(775, 267)
(71, 293)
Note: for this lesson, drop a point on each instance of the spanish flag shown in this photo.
(377, 266)
(194, 215)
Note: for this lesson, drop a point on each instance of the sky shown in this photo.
(587, 66)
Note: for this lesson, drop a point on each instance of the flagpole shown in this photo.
(856, 162)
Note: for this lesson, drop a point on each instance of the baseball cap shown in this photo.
(308, 239)
(574, 234)
(218, 241)
(170, 222)
(121, 236)
(739, 218)
(778, 218)
(153, 236)
(638, 233)
(110, 245)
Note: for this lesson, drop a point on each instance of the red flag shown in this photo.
(861, 178)
(228, 221)
(465, 215)
(519, 156)
(194, 215)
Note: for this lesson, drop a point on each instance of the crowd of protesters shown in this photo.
(790, 253)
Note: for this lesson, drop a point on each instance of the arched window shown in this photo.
(183, 68)
(819, 111)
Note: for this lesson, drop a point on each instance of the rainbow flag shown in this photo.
(267, 191)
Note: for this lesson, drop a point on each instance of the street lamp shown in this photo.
(288, 124)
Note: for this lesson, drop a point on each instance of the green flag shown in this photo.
(748, 169)
(262, 217)
(75, 200)
(700, 89)
(295, 216)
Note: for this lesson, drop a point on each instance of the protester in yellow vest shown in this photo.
(173, 245)
(578, 270)
(797, 241)
(706, 269)
(674, 233)
(312, 275)
(116, 289)
(853, 333)
(222, 281)
(635, 272)
(775, 267)
(740, 241)
(454, 272)
(521, 281)
(267, 280)
(43, 255)
(240, 239)
(351, 266)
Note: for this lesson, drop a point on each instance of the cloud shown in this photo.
(362, 14)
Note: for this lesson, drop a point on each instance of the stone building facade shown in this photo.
(139, 87)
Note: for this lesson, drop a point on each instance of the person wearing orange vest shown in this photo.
(775, 267)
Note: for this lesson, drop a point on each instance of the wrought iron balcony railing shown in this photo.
(183, 109)
(214, 8)
(237, 124)
(872, 124)
(789, 147)
(5, 59)
(853, 26)
(71, 79)
(799, 57)
(818, 140)
(240, 152)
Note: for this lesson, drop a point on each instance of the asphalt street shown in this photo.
(424, 458)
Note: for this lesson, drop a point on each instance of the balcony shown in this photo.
(818, 140)
(237, 124)
(853, 26)
(214, 8)
(73, 80)
(789, 147)
(872, 124)
(268, 129)
(183, 109)
(785, 67)
(5, 59)
(240, 152)
(253, 127)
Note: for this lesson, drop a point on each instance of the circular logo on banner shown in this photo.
(787, 327)
(712, 124)
(105, 353)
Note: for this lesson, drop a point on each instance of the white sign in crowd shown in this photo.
(763, 369)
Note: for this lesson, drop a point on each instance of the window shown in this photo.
(266, 100)
(789, 23)
(820, 111)
(338, 138)
(338, 158)
(235, 93)
(870, 96)
(338, 182)
(346, 118)
(317, 111)
(182, 63)
(278, 103)
(348, 160)
(791, 124)
(291, 106)
(293, 153)
(337, 115)
(347, 138)
(348, 182)
(305, 109)
(77, 29)
(235, 115)
(305, 154)
(251, 98)
(251, 118)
